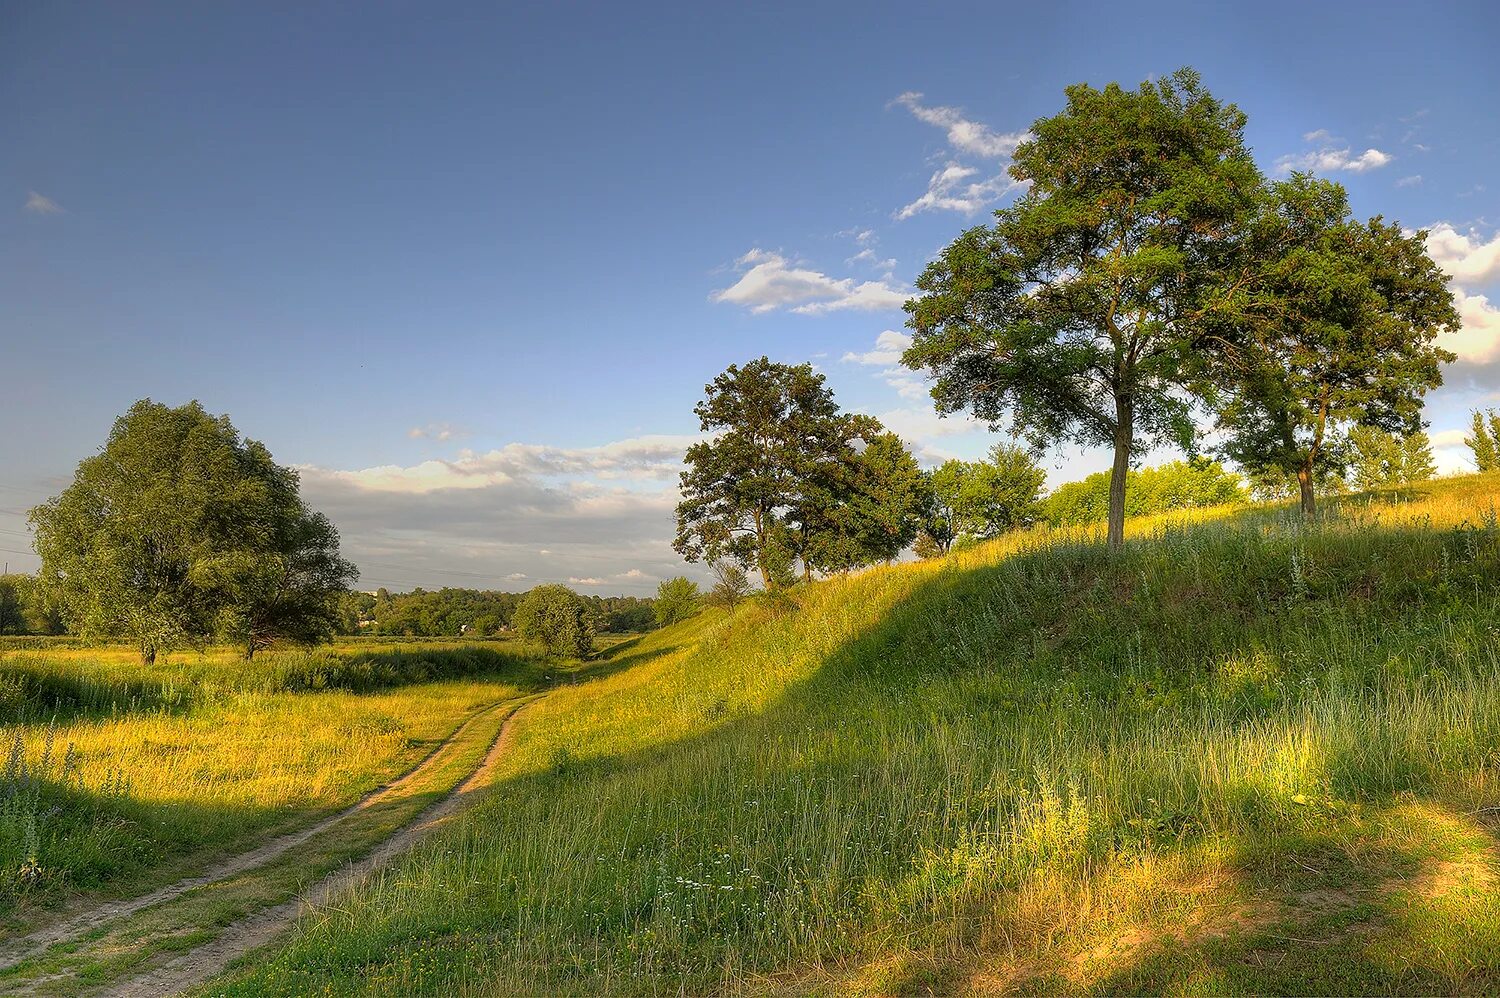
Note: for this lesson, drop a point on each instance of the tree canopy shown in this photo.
(179, 529)
(973, 500)
(554, 617)
(786, 476)
(1335, 330)
(1076, 314)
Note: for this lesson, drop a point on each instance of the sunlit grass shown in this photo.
(1029, 766)
(153, 770)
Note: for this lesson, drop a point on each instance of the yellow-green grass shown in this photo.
(124, 947)
(1243, 756)
(119, 778)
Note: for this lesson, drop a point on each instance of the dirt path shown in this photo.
(253, 931)
(17, 950)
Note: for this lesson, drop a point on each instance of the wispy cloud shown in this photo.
(889, 346)
(1330, 156)
(40, 204)
(770, 282)
(1415, 180)
(959, 185)
(434, 431)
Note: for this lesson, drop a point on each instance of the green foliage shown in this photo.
(972, 500)
(676, 599)
(1379, 458)
(449, 612)
(1076, 315)
(1335, 329)
(864, 509)
(1172, 486)
(787, 476)
(178, 529)
(555, 618)
(1484, 440)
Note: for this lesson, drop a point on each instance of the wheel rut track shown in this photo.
(16, 951)
(256, 930)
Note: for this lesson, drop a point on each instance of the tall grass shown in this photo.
(117, 776)
(894, 771)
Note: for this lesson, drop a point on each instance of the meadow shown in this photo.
(117, 778)
(1246, 755)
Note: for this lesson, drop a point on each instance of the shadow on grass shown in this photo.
(859, 809)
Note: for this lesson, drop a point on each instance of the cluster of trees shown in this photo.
(1176, 485)
(180, 531)
(450, 612)
(1151, 276)
(1484, 440)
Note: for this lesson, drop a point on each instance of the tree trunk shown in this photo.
(1124, 434)
(148, 655)
(1305, 484)
(250, 650)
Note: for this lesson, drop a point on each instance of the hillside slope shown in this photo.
(1244, 756)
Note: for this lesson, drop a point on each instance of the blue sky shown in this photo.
(470, 266)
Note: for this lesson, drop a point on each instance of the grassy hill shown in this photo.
(1244, 756)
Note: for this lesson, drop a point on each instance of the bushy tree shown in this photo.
(676, 599)
(1484, 440)
(557, 619)
(1335, 330)
(864, 508)
(1077, 315)
(761, 490)
(971, 500)
(1379, 458)
(177, 526)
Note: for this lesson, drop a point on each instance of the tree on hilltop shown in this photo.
(1336, 330)
(1075, 315)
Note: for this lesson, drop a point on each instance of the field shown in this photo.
(1246, 756)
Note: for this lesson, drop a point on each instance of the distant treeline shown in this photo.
(471, 612)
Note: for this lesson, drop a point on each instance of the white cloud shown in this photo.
(639, 458)
(40, 204)
(433, 431)
(1467, 257)
(771, 282)
(953, 189)
(1478, 339)
(958, 185)
(585, 582)
(1415, 180)
(1328, 157)
(1448, 438)
(634, 573)
(964, 135)
(889, 346)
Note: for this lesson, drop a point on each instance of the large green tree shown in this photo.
(279, 576)
(1335, 330)
(758, 490)
(864, 508)
(557, 619)
(1076, 314)
(155, 536)
(676, 599)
